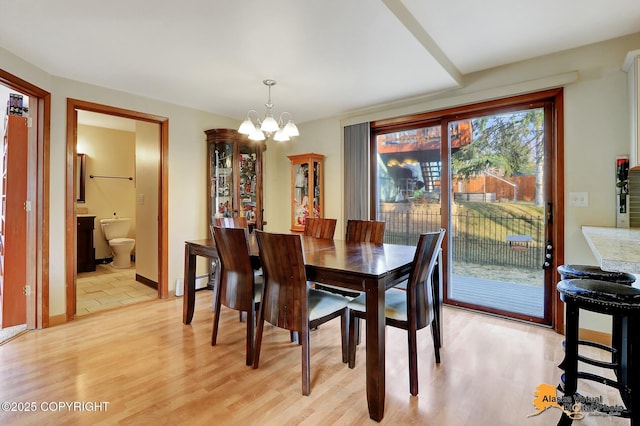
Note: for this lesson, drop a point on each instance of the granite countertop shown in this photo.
(617, 249)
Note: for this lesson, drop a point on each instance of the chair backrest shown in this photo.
(419, 285)
(285, 299)
(236, 280)
(320, 228)
(365, 231)
(232, 222)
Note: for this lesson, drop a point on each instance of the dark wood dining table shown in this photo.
(363, 267)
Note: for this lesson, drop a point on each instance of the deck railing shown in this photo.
(475, 238)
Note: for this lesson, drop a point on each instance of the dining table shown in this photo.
(365, 267)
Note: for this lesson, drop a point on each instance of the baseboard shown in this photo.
(595, 336)
(147, 282)
(57, 320)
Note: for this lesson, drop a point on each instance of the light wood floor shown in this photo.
(152, 369)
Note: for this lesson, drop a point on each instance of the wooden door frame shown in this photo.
(38, 191)
(73, 105)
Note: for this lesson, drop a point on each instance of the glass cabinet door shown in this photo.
(300, 194)
(306, 189)
(235, 177)
(248, 182)
(221, 180)
(316, 211)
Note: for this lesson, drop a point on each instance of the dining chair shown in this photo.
(410, 310)
(235, 222)
(288, 302)
(232, 222)
(320, 228)
(229, 222)
(239, 288)
(365, 231)
(359, 231)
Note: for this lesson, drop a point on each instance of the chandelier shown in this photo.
(259, 130)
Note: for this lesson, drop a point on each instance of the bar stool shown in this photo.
(612, 299)
(595, 273)
(568, 272)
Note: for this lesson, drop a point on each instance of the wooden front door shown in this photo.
(14, 222)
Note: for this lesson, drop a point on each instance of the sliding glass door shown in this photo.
(487, 175)
(497, 211)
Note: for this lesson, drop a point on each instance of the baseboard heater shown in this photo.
(201, 282)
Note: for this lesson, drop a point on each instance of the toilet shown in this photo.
(115, 231)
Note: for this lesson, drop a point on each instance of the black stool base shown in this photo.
(622, 302)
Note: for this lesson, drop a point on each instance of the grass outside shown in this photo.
(500, 273)
(487, 221)
(484, 227)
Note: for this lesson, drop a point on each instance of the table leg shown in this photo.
(189, 296)
(375, 350)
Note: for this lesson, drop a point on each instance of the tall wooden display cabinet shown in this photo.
(234, 167)
(307, 195)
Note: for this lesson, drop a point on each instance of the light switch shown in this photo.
(579, 199)
(140, 198)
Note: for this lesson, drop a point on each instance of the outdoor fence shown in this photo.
(475, 238)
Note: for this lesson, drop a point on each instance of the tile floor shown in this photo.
(109, 287)
(9, 333)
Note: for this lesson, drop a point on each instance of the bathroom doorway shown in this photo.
(117, 184)
(136, 179)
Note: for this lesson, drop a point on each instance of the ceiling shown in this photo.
(328, 57)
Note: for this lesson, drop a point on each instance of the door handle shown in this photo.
(548, 249)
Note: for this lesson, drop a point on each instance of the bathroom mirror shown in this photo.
(81, 167)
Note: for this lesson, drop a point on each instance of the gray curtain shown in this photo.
(356, 174)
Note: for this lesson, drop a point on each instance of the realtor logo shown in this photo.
(574, 407)
(545, 397)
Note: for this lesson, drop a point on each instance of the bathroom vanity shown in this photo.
(86, 253)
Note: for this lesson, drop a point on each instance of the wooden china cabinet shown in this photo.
(307, 195)
(234, 165)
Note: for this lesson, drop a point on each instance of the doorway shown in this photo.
(491, 174)
(160, 181)
(500, 232)
(118, 161)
